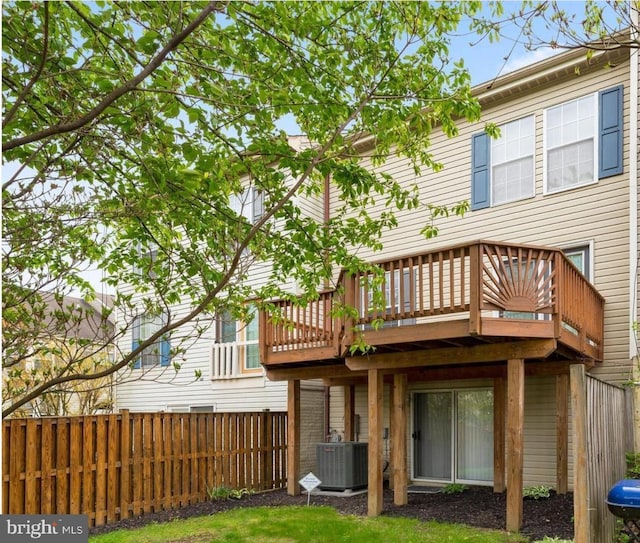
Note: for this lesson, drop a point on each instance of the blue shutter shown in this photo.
(136, 341)
(480, 161)
(165, 351)
(610, 132)
(165, 346)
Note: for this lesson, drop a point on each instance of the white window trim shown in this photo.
(492, 164)
(596, 116)
(244, 204)
(151, 253)
(185, 408)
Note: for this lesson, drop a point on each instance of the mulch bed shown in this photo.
(477, 506)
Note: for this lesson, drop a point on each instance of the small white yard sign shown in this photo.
(309, 482)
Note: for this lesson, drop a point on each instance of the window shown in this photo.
(249, 204)
(157, 353)
(147, 257)
(512, 170)
(251, 354)
(201, 409)
(503, 168)
(236, 350)
(570, 142)
(582, 144)
(191, 408)
(581, 258)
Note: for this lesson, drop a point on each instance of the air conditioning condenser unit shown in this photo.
(342, 465)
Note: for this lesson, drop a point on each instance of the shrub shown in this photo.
(633, 465)
(226, 493)
(537, 492)
(454, 488)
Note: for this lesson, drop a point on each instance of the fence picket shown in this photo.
(32, 462)
(75, 464)
(159, 461)
(125, 465)
(101, 470)
(16, 488)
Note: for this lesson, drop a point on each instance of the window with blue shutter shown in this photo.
(610, 132)
(480, 161)
(159, 353)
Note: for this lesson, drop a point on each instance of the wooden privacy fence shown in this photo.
(609, 436)
(111, 467)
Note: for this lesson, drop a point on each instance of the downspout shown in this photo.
(633, 223)
(327, 412)
(327, 214)
(633, 185)
(327, 389)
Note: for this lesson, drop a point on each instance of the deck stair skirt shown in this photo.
(342, 466)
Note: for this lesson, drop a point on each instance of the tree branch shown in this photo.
(120, 91)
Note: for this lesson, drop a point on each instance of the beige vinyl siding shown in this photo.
(336, 410)
(540, 433)
(596, 213)
(361, 409)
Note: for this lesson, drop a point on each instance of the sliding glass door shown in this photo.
(453, 436)
(432, 435)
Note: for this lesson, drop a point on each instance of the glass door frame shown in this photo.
(454, 436)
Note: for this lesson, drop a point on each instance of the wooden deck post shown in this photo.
(293, 437)
(390, 452)
(399, 439)
(262, 334)
(475, 289)
(515, 438)
(375, 398)
(582, 524)
(499, 427)
(562, 434)
(349, 412)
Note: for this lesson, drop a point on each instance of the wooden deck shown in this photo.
(467, 304)
(480, 310)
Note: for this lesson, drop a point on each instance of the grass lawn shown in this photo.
(303, 525)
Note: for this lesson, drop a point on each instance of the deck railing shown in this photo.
(290, 327)
(475, 281)
(228, 360)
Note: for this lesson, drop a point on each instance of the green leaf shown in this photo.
(148, 42)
